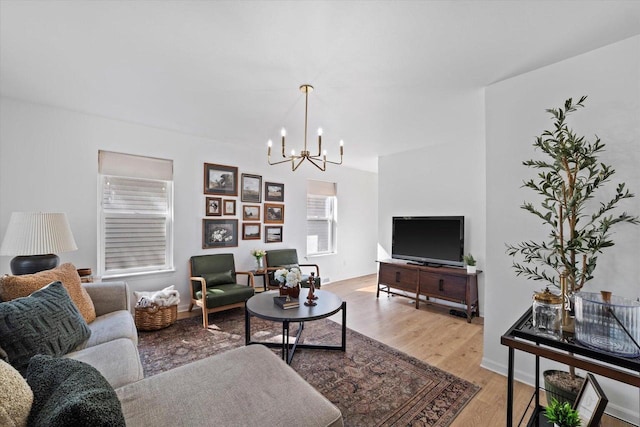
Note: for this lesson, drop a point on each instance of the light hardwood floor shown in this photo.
(432, 335)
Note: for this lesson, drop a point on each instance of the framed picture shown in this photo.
(273, 192)
(272, 233)
(590, 402)
(228, 207)
(273, 213)
(220, 179)
(251, 231)
(214, 206)
(251, 212)
(251, 188)
(219, 233)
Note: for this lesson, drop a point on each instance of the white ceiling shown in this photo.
(389, 75)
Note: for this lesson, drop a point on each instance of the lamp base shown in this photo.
(29, 264)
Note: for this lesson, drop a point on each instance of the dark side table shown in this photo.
(522, 336)
(261, 305)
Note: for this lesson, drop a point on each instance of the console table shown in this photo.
(521, 336)
(445, 283)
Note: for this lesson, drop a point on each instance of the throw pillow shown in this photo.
(46, 322)
(223, 278)
(12, 287)
(16, 397)
(68, 392)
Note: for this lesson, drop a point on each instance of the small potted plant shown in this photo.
(470, 262)
(562, 414)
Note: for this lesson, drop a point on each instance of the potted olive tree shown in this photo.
(579, 227)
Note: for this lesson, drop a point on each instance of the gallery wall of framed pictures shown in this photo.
(221, 186)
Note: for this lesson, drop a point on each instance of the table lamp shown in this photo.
(33, 238)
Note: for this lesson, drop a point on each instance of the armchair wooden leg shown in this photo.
(205, 318)
(190, 307)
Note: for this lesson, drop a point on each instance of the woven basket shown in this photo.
(155, 317)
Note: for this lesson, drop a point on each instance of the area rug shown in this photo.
(372, 383)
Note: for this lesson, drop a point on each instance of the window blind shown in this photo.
(136, 216)
(321, 217)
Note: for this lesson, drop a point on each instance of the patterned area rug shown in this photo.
(371, 383)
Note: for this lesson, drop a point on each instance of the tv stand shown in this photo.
(443, 283)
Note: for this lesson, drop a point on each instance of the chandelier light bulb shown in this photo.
(293, 152)
(283, 132)
(341, 143)
(269, 143)
(319, 131)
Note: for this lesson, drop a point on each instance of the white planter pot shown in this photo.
(471, 269)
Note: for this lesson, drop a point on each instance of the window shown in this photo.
(136, 214)
(321, 218)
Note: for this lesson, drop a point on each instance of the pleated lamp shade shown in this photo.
(34, 237)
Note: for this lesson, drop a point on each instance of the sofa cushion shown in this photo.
(68, 392)
(109, 327)
(12, 287)
(231, 381)
(46, 322)
(118, 371)
(16, 397)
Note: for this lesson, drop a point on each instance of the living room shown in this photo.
(468, 160)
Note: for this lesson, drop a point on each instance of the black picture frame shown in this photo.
(591, 402)
(272, 233)
(213, 206)
(251, 231)
(273, 192)
(251, 188)
(220, 179)
(219, 233)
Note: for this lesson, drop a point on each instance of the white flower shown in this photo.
(258, 253)
(290, 278)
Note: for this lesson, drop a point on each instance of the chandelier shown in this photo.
(318, 160)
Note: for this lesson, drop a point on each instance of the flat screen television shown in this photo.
(429, 240)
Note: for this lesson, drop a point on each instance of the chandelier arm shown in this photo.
(313, 162)
(334, 163)
(293, 164)
(277, 163)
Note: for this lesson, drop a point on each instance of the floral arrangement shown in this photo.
(289, 278)
(221, 235)
(258, 253)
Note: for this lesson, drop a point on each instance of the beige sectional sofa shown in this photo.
(248, 386)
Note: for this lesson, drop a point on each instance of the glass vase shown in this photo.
(608, 322)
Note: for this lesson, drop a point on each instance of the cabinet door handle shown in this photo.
(441, 285)
(397, 276)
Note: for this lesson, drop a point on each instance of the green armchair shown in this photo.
(217, 275)
(288, 258)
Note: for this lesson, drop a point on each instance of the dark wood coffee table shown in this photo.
(261, 305)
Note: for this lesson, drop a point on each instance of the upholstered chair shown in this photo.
(217, 275)
(288, 258)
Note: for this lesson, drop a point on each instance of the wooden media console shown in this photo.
(442, 283)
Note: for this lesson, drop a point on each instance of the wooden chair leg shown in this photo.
(205, 318)
(190, 306)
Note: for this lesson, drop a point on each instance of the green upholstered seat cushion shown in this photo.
(221, 278)
(226, 294)
(68, 392)
(45, 322)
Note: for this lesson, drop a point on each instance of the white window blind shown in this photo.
(321, 218)
(136, 214)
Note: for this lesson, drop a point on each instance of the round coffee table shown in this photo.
(261, 305)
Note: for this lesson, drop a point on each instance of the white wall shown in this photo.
(48, 162)
(445, 178)
(515, 115)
